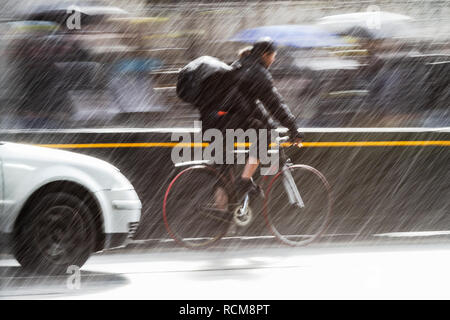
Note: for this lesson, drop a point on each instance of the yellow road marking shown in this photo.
(375, 143)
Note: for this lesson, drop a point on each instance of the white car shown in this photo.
(57, 207)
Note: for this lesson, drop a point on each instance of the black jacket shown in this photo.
(248, 96)
(255, 83)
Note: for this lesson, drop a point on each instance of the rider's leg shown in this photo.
(250, 168)
(245, 183)
(220, 198)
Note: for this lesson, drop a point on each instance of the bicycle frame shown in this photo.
(241, 213)
(288, 182)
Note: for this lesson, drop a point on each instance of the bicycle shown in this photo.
(200, 205)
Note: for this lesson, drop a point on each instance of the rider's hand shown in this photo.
(297, 142)
(296, 137)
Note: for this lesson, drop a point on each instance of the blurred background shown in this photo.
(78, 74)
(97, 64)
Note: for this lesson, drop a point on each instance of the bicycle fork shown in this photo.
(244, 209)
(291, 188)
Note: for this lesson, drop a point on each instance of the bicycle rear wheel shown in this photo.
(196, 207)
(291, 224)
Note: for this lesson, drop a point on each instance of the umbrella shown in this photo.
(59, 12)
(297, 36)
(368, 24)
(359, 32)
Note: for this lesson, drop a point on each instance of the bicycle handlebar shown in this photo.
(287, 139)
(283, 138)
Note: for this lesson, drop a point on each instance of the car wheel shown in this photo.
(55, 233)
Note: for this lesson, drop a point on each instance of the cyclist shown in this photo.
(255, 103)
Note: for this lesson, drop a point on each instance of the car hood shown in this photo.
(108, 176)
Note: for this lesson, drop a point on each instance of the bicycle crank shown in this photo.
(242, 216)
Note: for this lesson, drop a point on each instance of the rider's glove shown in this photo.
(295, 134)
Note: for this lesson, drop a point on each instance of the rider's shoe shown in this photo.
(244, 186)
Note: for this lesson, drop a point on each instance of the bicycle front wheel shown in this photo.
(196, 207)
(298, 220)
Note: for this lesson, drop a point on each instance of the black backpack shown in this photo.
(205, 83)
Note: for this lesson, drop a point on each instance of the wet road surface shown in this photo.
(321, 271)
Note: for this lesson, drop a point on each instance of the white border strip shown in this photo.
(169, 130)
